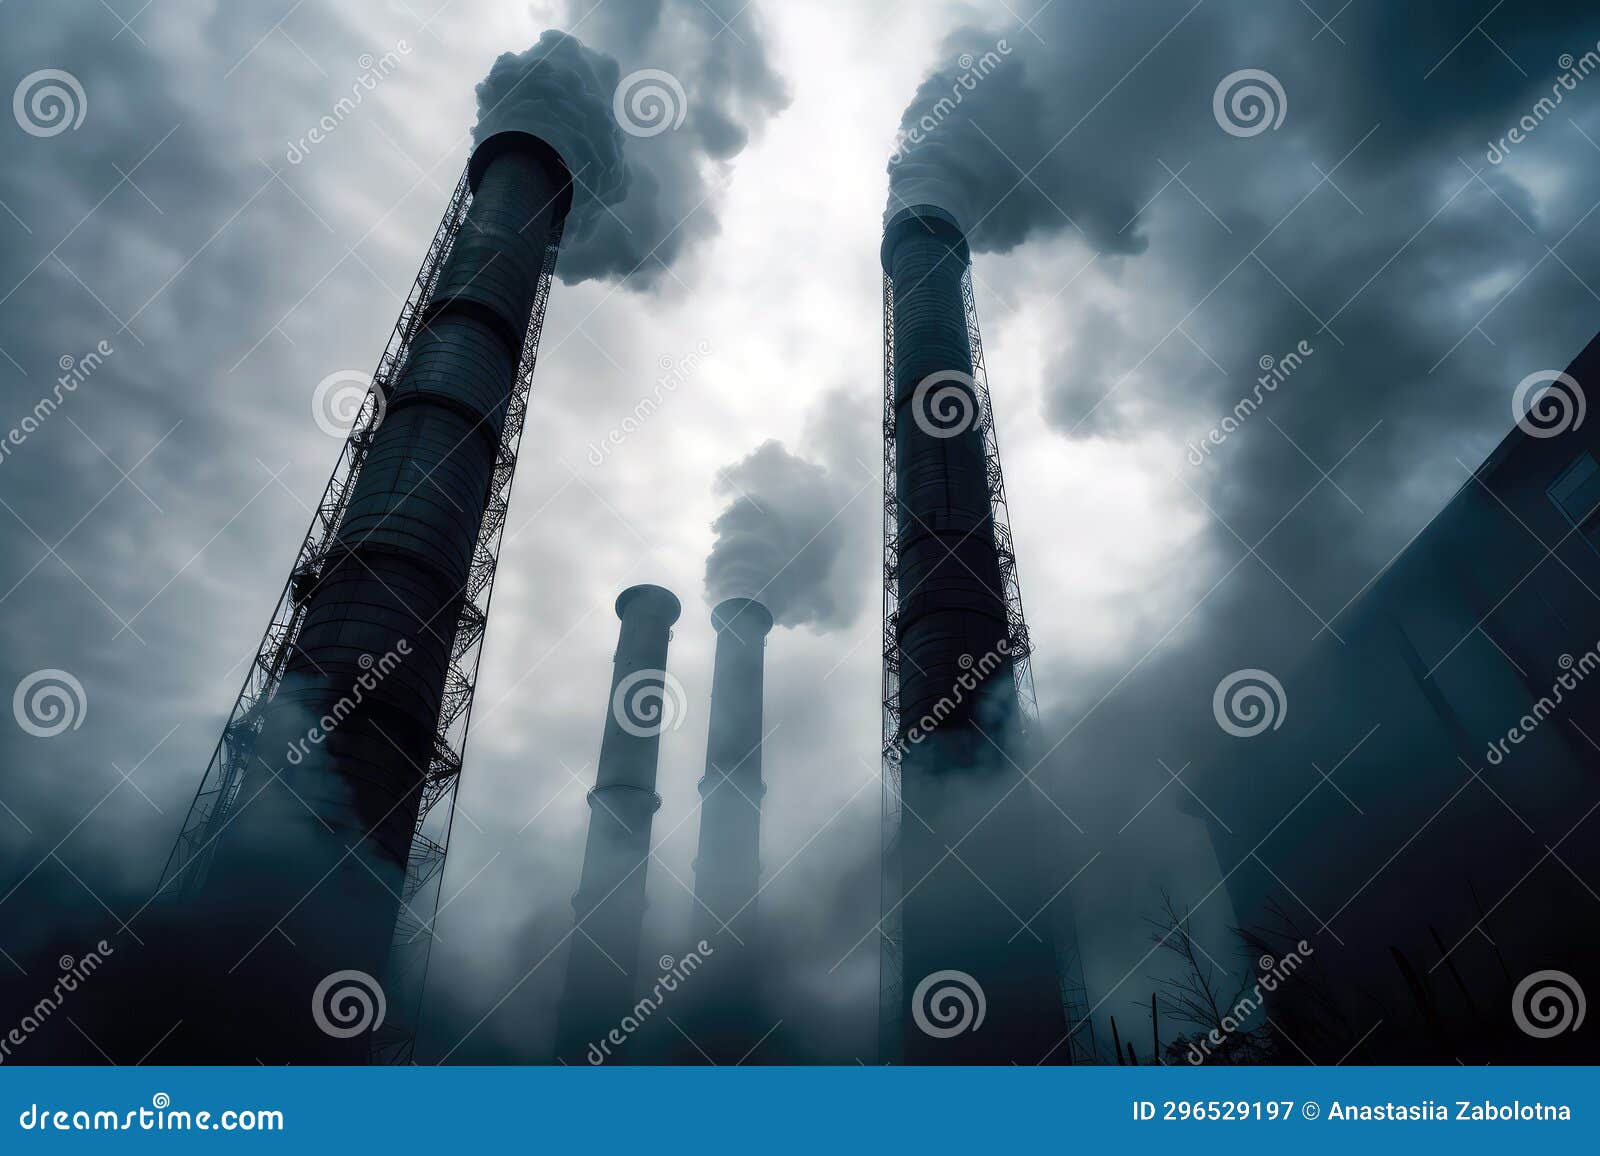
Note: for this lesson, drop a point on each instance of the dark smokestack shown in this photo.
(727, 867)
(966, 836)
(309, 871)
(609, 905)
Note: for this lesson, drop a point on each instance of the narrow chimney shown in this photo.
(727, 870)
(609, 906)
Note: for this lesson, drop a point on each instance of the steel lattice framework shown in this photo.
(1020, 649)
(217, 799)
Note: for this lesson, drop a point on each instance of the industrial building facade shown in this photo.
(1428, 804)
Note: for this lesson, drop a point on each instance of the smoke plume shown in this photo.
(649, 121)
(780, 539)
(560, 91)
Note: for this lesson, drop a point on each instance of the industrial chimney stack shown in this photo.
(313, 817)
(610, 903)
(963, 858)
(727, 868)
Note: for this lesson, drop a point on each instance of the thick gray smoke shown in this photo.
(1218, 244)
(688, 82)
(560, 91)
(781, 537)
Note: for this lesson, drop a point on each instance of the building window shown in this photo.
(1576, 493)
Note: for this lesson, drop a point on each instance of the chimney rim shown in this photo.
(658, 598)
(929, 218)
(508, 140)
(724, 613)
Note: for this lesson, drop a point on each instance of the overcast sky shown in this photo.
(1138, 259)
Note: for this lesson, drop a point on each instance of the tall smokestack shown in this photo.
(310, 863)
(964, 854)
(610, 903)
(727, 867)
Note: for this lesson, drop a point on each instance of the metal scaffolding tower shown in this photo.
(892, 886)
(217, 799)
